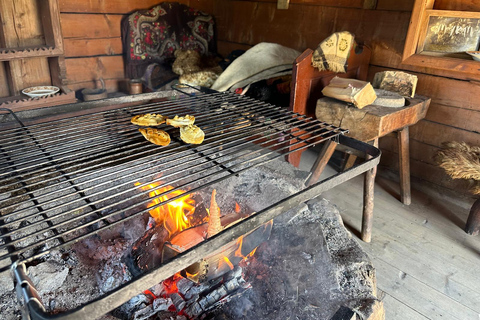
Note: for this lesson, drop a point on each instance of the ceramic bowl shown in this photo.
(475, 55)
(40, 91)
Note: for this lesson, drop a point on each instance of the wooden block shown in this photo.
(358, 92)
(396, 81)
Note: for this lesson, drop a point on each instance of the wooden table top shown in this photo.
(373, 121)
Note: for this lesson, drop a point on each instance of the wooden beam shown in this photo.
(89, 26)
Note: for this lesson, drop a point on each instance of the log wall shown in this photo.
(93, 49)
(92, 36)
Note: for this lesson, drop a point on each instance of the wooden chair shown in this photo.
(307, 84)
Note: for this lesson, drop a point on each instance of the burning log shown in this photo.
(146, 252)
(224, 259)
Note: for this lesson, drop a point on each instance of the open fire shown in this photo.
(210, 281)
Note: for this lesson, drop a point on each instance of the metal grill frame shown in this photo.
(303, 133)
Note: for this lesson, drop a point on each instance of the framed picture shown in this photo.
(450, 32)
(438, 39)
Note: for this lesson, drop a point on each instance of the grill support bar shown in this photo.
(114, 299)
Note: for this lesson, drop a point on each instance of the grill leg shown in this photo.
(367, 218)
(321, 162)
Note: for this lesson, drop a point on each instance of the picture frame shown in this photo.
(424, 51)
(449, 32)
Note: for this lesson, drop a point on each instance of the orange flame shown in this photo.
(238, 252)
(228, 262)
(174, 215)
(237, 208)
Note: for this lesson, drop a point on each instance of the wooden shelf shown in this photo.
(21, 102)
(8, 54)
(33, 57)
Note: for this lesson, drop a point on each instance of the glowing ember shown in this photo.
(150, 293)
(170, 284)
(175, 214)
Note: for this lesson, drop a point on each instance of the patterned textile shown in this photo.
(153, 36)
(332, 53)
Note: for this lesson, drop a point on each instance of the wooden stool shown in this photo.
(367, 124)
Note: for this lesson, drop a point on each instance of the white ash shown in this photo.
(48, 276)
(6, 282)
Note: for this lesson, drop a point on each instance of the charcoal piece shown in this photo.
(216, 295)
(194, 310)
(184, 285)
(126, 310)
(196, 290)
(146, 253)
(158, 289)
(166, 315)
(178, 301)
(232, 285)
(161, 304)
(144, 314)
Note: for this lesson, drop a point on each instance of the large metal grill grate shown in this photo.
(64, 180)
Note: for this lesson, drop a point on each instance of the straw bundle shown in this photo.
(461, 161)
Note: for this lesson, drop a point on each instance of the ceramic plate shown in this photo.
(40, 91)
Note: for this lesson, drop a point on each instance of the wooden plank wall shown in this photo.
(455, 111)
(93, 49)
(92, 35)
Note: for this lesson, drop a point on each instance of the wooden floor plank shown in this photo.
(431, 273)
(417, 295)
(395, 309)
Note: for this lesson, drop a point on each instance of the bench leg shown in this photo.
(321, 162)
(404, 164)
(368, 189)
(473, 222)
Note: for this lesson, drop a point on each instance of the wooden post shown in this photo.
(368, 190)
(404, 165)
(473, 222)
(321, 162)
